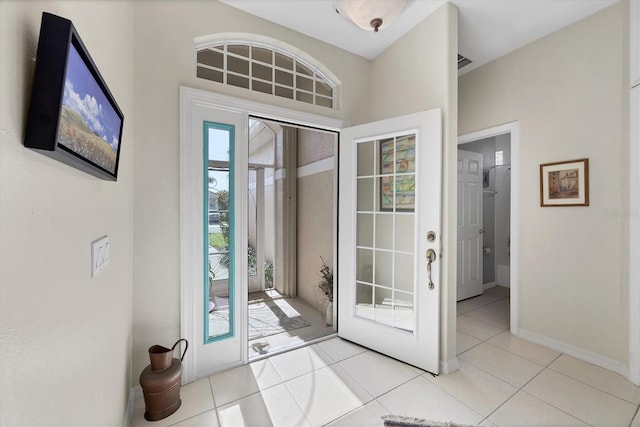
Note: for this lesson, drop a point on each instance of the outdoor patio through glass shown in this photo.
(218, 155)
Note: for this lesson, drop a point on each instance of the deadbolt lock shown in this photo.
(431, 236)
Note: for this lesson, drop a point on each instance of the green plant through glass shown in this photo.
(252, 261)
(218, 242)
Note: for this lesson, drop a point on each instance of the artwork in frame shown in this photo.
(398, 162)
(73, 116)
(565, 183)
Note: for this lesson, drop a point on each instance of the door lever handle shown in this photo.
(431, 257)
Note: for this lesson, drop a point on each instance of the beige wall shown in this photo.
(314, 146)
(568, 93)
(316, 215)
(65, 337)
(417, 73)
(164, 60)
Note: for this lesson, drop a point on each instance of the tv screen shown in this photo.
(73, 117)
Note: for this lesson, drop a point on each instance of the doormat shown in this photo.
(270, 317)
(399, 421)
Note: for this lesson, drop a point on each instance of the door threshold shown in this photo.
(293, 347)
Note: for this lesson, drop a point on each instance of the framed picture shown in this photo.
(398, 160)
(73, 116)
(565, 183)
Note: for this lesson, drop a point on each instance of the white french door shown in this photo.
(389, 221)
(389, 237)
(470, 233)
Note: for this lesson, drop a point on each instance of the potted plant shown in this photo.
(326, 287)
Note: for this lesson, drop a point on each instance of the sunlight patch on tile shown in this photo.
(272, 407)
(327, 394)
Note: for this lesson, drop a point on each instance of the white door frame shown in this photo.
(634, 195)
(634, 237)
(512, 129)
(190, 240)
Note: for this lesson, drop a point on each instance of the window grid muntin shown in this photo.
(375, 285)
(317, 78)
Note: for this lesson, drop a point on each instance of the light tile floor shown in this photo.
(503, 381)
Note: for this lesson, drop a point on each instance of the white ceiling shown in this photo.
(487, 29)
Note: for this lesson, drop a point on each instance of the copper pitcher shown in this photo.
(161, 356)
(161, 380)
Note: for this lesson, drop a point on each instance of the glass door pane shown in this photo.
(385, 230)
(218, 155)
(252, 255)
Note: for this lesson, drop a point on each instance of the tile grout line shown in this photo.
(483, 370)
(456, 398)
(587, 384)
(334, 362)
(469, 314)
(260, 390)
(375, 398)
(283, 381)
(549, 403)
(388, 391)
(215, 409)
(340, 416)
(485, 304)
(213, 397)
(486, 341)
(489, 373)
(521, 389)
(520, 356)
(306, 417)
(636, 414)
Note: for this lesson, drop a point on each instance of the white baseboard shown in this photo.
(449, 366)
(577, 352)
(489, 285)
(134, 395)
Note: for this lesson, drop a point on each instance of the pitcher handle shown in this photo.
(186, 346)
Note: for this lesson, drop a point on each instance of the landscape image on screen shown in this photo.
(89, 126)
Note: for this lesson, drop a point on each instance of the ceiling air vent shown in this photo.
(462, 61)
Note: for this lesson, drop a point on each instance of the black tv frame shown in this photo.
(57, 36)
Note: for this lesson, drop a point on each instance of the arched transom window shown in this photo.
(260, 66)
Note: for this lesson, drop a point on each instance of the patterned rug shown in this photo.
(270, 317)
(400, 421)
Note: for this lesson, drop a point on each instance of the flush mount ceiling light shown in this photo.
(370, 15)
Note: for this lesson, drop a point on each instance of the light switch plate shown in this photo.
(99, 255)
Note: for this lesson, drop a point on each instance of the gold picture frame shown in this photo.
(564, 183)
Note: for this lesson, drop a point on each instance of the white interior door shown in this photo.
(389, 218)
(469, 257)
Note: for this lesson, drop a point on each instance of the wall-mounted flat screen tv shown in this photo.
(72, 117)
